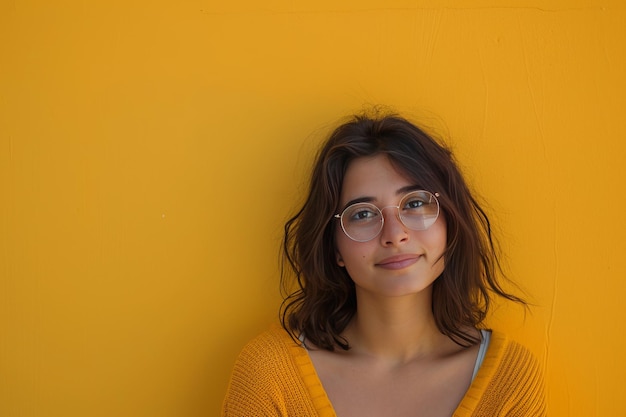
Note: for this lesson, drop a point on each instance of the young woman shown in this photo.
(395, 269)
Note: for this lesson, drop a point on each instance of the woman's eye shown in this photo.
(414, 204)
(363, 215)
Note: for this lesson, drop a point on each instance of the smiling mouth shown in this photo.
(398, 262)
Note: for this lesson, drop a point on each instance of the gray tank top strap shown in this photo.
(482, 350)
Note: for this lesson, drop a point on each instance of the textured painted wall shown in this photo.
(150, 152)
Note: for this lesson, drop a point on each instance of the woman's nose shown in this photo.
(394, 231)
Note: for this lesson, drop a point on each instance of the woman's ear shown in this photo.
(339, 260)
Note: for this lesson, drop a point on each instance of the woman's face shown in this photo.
(399, 261)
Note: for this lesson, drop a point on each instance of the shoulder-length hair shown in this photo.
(324, 300)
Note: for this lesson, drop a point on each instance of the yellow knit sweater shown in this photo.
(274, 376)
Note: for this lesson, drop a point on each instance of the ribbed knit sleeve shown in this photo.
(509, 383)
(273, 376)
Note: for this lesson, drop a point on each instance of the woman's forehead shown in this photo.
(374, 176)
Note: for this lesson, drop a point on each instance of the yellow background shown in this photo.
(150, 152)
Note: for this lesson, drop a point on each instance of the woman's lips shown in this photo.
(398, 261)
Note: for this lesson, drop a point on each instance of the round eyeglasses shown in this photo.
(418, 210)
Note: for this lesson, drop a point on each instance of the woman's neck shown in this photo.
(397, 329)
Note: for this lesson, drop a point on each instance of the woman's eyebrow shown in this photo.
(408, 189)
(359, 200)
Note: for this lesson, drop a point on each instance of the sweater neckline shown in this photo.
(465, 408)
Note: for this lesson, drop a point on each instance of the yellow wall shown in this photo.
(151, 150)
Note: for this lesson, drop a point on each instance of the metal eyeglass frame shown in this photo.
(382, 216)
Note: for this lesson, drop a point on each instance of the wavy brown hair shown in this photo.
(324, 300)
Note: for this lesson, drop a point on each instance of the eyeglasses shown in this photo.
(362, 222)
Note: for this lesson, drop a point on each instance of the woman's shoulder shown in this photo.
(269, 378)
(270, 348)
(506, 356)
(509, 380)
